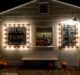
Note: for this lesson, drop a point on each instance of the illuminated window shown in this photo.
(44, 37)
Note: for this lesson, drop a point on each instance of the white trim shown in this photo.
(43, 46)
(66, 4)
(30, 58)
(17, 7)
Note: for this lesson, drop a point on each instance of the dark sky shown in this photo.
(75, 2)
(7, 4)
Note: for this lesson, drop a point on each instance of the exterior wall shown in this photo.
(30, 14)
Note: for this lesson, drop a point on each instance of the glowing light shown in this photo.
(5, 44)
(59, 38)
(70, 22)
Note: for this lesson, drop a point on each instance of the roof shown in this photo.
(37, 0)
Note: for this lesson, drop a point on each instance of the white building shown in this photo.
(41, 30)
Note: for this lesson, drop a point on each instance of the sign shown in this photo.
(17, 36)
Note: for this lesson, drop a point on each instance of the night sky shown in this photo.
(7, 4)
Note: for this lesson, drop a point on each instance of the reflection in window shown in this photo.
(43, 36)
(68, 35)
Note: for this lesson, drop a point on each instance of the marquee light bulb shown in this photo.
(5, 36)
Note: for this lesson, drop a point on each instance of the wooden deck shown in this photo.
(69, 71)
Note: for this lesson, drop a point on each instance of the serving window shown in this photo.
(44, 37)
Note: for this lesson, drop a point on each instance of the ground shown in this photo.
(61, 71)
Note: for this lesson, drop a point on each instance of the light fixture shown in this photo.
(74, 18)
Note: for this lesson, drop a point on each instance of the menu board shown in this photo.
(16, 36)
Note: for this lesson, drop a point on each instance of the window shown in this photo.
(44, 37)
(43, 7)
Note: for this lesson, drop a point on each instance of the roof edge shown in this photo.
(36, 0)
(3, 12)
(75, 6)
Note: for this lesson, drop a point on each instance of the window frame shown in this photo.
(51, 36)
